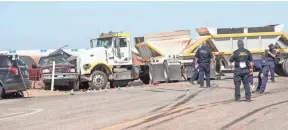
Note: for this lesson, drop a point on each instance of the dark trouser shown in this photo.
(272, 69)
(263, 78)
(251, 79)
(204, 68)
(244, 76)
(194, 76)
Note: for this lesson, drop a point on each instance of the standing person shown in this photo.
(271, 55)
(243, 67)
(203, 59)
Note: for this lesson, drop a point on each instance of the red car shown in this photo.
(65, 70)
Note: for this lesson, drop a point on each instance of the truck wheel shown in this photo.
(47, 86)
(99, 80)
(1, 92)
(75, 85)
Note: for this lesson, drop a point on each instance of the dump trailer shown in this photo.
(162, 55)
(223, 41)
(169, 56)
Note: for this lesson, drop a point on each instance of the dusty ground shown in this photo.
(167, 106)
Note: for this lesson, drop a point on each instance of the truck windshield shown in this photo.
(104, 42)
(59, 59)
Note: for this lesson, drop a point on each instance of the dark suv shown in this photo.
(10, 76)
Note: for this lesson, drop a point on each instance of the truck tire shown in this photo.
(75, 85)
(47, 86)
(99, 80)
(1, 92)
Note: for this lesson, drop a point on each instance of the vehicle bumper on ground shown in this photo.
(61, 79)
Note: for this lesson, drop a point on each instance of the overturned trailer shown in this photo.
(169, 56)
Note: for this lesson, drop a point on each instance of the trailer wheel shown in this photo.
(145, 79)
(285, 67)
(166, 72)
(279, 70)
(150, 74)
(99, 80)
(1, 91)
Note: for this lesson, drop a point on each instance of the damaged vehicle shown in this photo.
(65, 70)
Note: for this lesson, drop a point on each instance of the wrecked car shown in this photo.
(65, 70)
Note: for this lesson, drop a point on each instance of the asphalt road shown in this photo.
(163, 107)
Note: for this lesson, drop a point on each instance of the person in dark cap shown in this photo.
(267, 64)
(271, 55)
(203, 59)
(243, 68)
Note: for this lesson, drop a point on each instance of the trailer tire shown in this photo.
(166, 72)
(150, 74)
(145, 79)
(279, 70)
(99, 80)
(1, 91)
(285, 67)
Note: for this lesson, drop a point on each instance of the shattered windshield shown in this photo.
(59, 59)
(104, 42)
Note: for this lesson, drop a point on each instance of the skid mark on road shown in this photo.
(155, 91)
(169, 119)
(33, 111)
(178, 98)
(175, 110)
(250, 114)
(188, 98)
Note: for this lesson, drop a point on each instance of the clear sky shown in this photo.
(47, 25)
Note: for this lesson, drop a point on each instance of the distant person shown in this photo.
(243, 68)
(271, 55)
(203, 59)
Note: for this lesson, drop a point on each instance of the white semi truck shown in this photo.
(108, 60)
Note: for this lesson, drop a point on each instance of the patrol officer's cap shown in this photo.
(271, 45)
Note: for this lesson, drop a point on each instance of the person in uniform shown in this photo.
(265, 68)
(271, 55)
(243, 67)
(203, 59)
